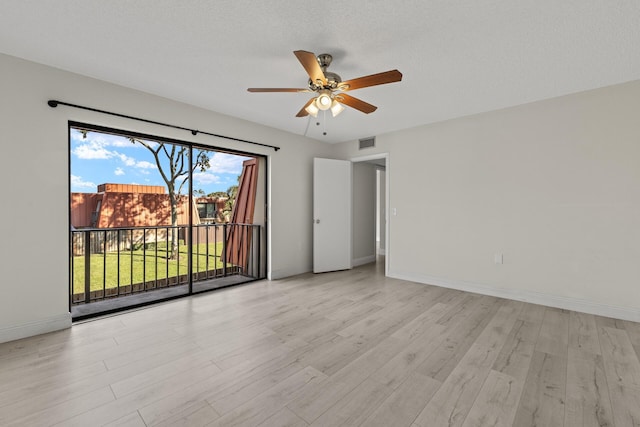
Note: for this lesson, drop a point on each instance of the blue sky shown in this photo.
(105, 158)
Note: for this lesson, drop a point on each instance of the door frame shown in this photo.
(379, 156)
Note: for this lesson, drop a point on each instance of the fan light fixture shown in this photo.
(336, 108)
(324, 101)
(312, 109)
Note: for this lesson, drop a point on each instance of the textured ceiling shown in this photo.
(457, 57)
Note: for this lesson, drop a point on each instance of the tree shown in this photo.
(175, 175)
(218, 194)
(232, 192)
(230, 196)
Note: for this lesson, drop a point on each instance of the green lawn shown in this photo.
(139, 266)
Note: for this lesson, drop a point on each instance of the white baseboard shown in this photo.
(533, 297)
(37, 327)
(364, 260)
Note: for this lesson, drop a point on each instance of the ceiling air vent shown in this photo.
(367, 142)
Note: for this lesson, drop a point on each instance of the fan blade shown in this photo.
(311, 65)
(372, 80)
(356, 103)
(276, 89)
(304, 112)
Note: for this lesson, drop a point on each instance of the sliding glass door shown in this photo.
(153, 218)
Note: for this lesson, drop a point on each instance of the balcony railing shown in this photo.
(107, 263)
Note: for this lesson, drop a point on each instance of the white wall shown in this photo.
(35, 174)
(554, 186)
(364, 213)
(381, 219)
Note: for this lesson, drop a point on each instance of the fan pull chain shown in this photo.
(306, 129)
(324, 123)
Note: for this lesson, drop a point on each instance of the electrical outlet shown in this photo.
(498, 258)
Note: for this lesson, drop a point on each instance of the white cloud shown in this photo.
(145, 165)
(118, 141)
(92, 151)
(226, 163)
(108, 139)
(96, 146)
(78, 182)
(128, 161)
(116, 150)
(152, 144)
(104, 139)
(205, 178)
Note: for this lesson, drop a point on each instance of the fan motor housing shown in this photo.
(324, 59)
(332, 82)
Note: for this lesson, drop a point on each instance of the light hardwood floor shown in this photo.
(346, 348)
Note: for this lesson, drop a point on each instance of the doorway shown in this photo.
(370, 233)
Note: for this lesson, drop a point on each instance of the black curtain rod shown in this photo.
(54, 103)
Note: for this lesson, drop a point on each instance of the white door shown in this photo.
(331, 215)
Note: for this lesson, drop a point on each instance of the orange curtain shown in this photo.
(238, 241)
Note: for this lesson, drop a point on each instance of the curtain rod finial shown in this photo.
(52, 103)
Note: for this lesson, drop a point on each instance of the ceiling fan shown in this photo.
(329, 87)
